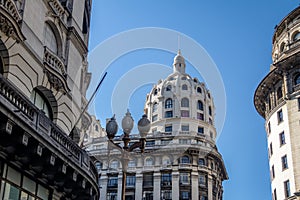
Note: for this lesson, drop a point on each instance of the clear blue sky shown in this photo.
(237, 35)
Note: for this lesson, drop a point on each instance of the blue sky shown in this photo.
(237, 35)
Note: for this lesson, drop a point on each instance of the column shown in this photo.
(103, 187)
(286, 85)
(195, 185)
(138, 186)
(175, 185)
(209, 185)
(120, 185)
(156, 187)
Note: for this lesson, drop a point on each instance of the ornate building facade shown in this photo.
(181, 160)
(277, 100)
(43, 81)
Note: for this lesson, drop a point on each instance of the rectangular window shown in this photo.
(269, 127)
(150, 143)
(169, 114)
(112, 196)
(200, 116)
(200, 130)
(280, 116)
(271, 149)
(148, 180)
(184, 178)
(284, 162)
(130, 180)
(202, 180)
(185, 113)
(168, 128)
(282, 138)
(273, 172)
(154, 118)
(166, 179)
(274, 195)
(185, 128)
(112, 181)
(166, 194)
(185, 195)
(287, 189)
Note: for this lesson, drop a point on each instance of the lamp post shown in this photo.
(127, 125)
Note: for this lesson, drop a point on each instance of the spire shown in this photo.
(179, 63)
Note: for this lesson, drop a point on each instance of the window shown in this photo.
(299, 104)
(168, 128)
(296, 36)
(154, 118)
(185, 113)
(199, 105)
(169, 103)
(185, 195)
(279, 93)
(280, 116)
(185, 102)
(166, 179)
(155, 105)
(112, 181)
(202, 180)
(40, 101)
(297, 80)
(112, 195)
(200, 130)
(148, 180)
(114, 164)
(149, 161)
(185, 160)
(147, 195)
(166, 194)
(150, 143)
(284, 162)
(169, 114)
(208, 95)
(201, 162)
(271, 148)
(155, 92)
(282, 47)
(274, 195)
(166, 161)
(184, 87)
(269, 127)
(184, 141)
(96, 128)
(130, 181)
(209, 111)
(185, 128)
(282, 138)
(98, 166)
(199, 90)
(184, 178)
(132, 163)
(273, 172)
(165, 141)
(169, 88)
(50, 39)
(287, 190)
(200, 116)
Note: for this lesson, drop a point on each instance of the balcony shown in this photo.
(10, 20)
(55, 70)
(32, 141)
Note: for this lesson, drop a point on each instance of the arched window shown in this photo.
(296, 36)
(201, 162)
(199, 90)
(209, 110)
(40, 101)
(184, 87)
(185, 102)
(297, 79)
(149, 161)
(96, 128)
(169, 88)
(185, 160)
(199, 105)
(279, 93)
(166, 161)
(155, 105)
(50, 39)
(169, 103)
(155, 92)
(282, 47)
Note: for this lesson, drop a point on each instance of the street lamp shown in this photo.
(127, 125)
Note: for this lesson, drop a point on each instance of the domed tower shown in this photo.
(277, 100)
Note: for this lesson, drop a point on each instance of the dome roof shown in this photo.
(179, 63)
(178, 58)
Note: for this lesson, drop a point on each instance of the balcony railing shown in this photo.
(17, 103)
(54, 62)
(11, 8)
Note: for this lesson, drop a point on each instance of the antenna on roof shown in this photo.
(178, 42)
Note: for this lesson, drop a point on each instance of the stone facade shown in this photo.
(277, 99)
(43, 81)
(181, 160)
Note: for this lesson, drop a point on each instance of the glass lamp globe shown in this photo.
(127, 123)
(111, 128)
(144, 126)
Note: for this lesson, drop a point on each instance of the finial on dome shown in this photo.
(179, 63)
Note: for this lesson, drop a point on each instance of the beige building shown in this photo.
(181, 160)
(277, 100)
(43, 81)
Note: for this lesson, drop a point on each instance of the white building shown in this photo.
(181, 160)
(277, 100)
